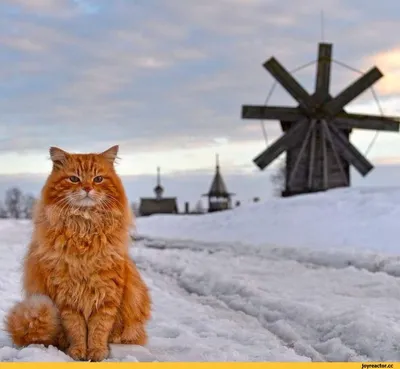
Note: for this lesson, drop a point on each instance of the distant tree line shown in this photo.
(17, 205)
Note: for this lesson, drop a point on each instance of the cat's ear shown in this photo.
(58, 156)
(111, 154)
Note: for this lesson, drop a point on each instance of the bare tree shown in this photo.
(135, 209)
(14, 203)
(27, 207)
(3, 211)
(278, 178)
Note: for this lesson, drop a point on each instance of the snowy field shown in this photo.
(312, 278)
(354, 218)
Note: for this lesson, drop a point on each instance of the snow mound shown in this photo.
(354, 218)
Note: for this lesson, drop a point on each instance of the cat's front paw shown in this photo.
(77, 352)
(98, 353)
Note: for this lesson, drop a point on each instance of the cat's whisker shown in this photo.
(61, 209)
(61, 200)
(62, 204)
(114, 199)
(109, 215)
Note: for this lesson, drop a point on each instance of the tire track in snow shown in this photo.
(312, 258)
(268, 315)
(318, 338)
(221, 308)
(245, 330)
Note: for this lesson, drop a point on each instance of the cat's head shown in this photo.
(86, 181)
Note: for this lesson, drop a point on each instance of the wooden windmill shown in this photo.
(317, 131)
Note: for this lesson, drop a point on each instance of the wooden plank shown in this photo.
(288, 140)
(289, 84)
(301, 152)
(335, 153)
(347, 151)
(364, 121)
(324, 153)
(271, 112)
(286, 125)
(323, 71)
(334, 106)
(311, 164)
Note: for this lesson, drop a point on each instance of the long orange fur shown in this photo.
(82, 290)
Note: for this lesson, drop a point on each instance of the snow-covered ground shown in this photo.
(312, 278)
(360, 218)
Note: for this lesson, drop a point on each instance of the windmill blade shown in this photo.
(324, 157)
(348, 151)
(311, 163)
(339, 163)
(323, 71)
(289, 83)
(301, 152)
(271, 112)
(287, 141)
(363, 121)
(334, 106)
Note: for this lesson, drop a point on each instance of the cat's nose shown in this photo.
(87, 189)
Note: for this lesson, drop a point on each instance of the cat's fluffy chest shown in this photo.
(83, 271)
(82, 258)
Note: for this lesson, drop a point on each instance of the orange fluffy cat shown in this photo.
(82, 290)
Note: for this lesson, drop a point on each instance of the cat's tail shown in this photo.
(35, 320)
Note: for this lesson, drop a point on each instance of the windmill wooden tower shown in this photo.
(317, 132)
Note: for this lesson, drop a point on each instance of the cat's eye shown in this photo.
(74, 179)
(98, 179)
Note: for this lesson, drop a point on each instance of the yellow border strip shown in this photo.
(110, 365)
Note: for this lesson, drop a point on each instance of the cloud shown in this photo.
(54, 8)
(389, 63)
(154, 76)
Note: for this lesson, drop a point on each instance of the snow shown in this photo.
(362, 218)
(311, 278)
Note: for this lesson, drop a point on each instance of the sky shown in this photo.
(166, 79)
